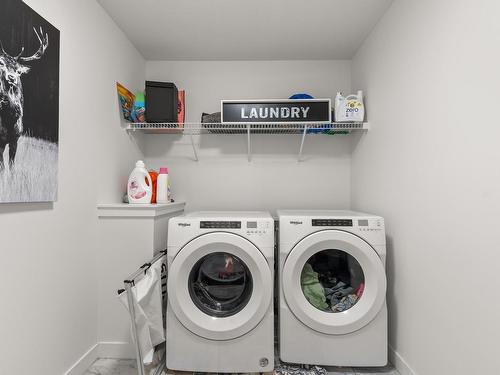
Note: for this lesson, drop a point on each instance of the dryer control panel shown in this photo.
(331, 222)
(295, 225)
(364, 225)
(369, 225)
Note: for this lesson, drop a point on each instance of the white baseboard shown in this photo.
(120, 350)
(400, 363)
(84, 362)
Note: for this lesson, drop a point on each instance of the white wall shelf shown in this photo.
(248, 129)
(139, 210)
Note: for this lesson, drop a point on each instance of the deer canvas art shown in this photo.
(29, 105)
(11, 94)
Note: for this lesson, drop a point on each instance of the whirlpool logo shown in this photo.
(296, 222)
(184, 224)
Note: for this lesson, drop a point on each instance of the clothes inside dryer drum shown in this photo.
(220, 284)
(312, 289)
(332, 280)
(335, 294)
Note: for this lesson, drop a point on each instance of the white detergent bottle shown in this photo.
(349, 108)
(162, 189)
(138, 190)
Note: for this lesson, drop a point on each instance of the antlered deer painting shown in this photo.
(11, 95)
(29, 105)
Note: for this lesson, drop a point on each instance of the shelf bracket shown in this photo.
(249, 145)
(194, 147)
(304, 133)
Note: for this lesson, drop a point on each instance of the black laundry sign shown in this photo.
(261, 111)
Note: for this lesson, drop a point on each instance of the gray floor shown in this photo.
(105, 366)
(128, 367)
(387, 370)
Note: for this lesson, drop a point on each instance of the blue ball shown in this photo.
(301, 96)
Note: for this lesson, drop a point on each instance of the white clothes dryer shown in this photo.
(220, 289)
(332, 285)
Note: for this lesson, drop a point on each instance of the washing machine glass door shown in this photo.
(220, 286)
(334, 282)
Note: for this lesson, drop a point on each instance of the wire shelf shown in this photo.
(248, 129)
(194, 128)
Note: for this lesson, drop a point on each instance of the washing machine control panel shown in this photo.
(248, 227)
(256, 228)
(220, 224)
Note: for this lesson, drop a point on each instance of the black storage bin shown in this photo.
(161, 101)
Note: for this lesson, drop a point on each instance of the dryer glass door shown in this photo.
(334, 282)
(220, 286)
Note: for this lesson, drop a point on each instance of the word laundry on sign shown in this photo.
(274, 113)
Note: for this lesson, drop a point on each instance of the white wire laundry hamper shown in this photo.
(129, 283)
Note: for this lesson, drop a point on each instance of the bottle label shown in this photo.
(135, 190)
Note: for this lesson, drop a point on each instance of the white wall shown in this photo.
(49, 308)
(223, 179)
(432, 170)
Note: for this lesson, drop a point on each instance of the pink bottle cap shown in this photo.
(164, 170)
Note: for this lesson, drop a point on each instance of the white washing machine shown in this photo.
(332, 287)
(220, 289)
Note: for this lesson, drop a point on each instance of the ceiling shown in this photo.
(244, 29)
